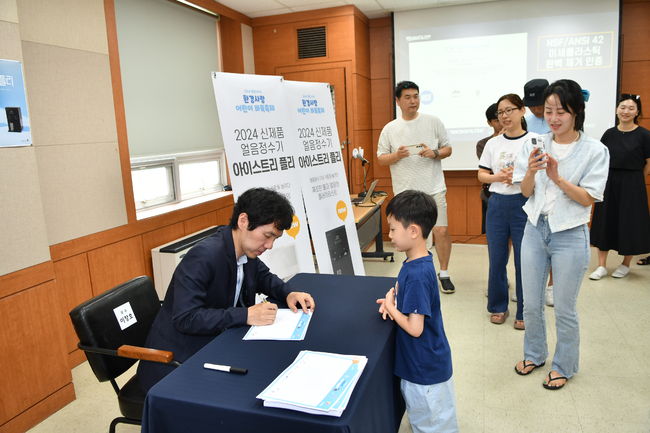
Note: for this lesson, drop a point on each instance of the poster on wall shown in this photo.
(14, 117)
(260, 150)
(324, 184)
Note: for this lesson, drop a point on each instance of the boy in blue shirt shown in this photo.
(422, 353)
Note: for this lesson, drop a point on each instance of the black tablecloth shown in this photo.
(194, 399)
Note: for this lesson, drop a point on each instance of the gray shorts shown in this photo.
(441, 203)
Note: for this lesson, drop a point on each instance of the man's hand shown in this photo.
(303, 299)
(262, 314)
(427, 152)
(402, 152)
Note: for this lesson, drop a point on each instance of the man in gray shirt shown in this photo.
(413, 146)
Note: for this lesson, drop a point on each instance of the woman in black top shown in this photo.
(621, 222)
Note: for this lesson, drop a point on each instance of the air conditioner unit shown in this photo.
(166, 257)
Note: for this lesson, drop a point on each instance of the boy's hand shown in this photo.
(390, 296)
(382, 309)
(388, 300)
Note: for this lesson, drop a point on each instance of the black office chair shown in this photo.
(112, 350)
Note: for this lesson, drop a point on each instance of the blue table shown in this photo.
(193, 399)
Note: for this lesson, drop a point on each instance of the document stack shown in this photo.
(316, 382)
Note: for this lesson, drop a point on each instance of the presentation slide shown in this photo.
(465, 57)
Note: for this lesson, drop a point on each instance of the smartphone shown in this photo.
(415, 149)
(538, 143)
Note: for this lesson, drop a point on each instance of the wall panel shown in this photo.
(223, 215)
(381, 48)
(362, 108)
(73, 287)
(24, 234)
(30, 325)
(635, 19)
(81, 186)
(70, 97)
(232, 54)
(10, 32)
(76, 24)
(116, 263)
(200, 222)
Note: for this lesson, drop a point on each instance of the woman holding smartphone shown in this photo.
(505, 219)
(561, 182)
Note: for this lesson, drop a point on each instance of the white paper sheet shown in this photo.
(287, 326)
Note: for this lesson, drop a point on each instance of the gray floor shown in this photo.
(611, 393)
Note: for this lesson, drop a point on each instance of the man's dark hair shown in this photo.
(403, 85)
(571, 98)
(491, 112)
(263, 206)
(414, 207)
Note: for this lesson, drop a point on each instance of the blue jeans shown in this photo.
(568, 253)
(505, 220)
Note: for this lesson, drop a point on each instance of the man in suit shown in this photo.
(214, 286)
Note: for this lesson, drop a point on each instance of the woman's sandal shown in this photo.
(527, 364)
(644, 261)
(547, 383)
(499, 318)
(520, 325)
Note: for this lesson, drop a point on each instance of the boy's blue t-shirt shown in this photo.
(425, 360)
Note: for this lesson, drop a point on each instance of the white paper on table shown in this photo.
(328, 375)
(287, 326)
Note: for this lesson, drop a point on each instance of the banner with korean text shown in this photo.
(324, 184)
(260, 148)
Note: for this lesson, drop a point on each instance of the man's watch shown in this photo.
(436, 153)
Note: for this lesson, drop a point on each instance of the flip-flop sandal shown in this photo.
(526, 365)
(520, 325)
(644, 261)
(548, 385)
(499, 318)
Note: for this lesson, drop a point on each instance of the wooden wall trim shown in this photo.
(222, 10)
(232, 51)
(318, 14)
(120, 115)
(76, 357)
(380, 22)
(99, 239)
(41, 410)
(26, 278)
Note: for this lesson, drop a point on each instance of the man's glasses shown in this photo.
(508, 111)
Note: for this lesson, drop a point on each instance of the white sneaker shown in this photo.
(549, 296)
(599, 273)
(621, 271)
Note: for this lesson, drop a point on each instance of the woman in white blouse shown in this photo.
(562, 180)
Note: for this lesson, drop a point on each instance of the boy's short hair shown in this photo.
(491, 112)
(263, 206)
(414, 207)
(403, 85)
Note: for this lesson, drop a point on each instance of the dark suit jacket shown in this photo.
(198, 304)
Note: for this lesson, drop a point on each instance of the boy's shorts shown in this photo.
(430, 408)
